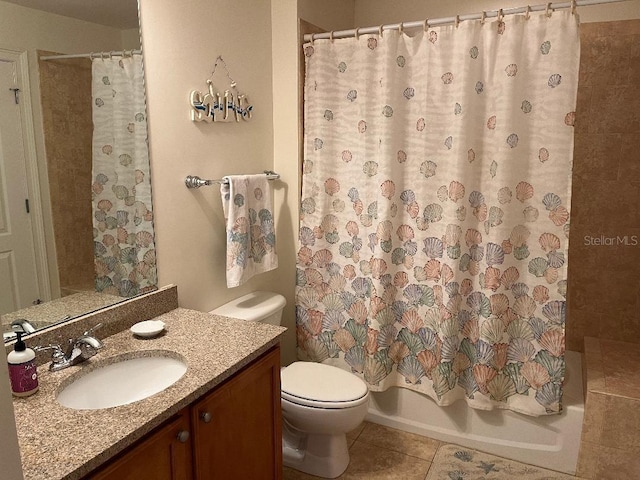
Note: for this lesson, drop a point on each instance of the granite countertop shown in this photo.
(60, 443)
(60, 309)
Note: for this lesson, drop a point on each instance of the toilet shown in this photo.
(320, 403)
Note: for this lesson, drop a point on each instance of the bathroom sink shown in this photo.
(121, 381)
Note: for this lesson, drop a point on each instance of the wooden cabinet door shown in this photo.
(237, 428)
(165, 454)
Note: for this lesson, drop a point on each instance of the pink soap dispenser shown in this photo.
(22, 369)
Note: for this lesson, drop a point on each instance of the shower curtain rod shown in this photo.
(458, 18)
(118, 53)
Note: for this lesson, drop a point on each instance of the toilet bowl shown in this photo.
(320, 403)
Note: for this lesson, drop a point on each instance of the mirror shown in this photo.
(89, 207)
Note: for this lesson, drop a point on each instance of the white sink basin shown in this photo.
(125, 381)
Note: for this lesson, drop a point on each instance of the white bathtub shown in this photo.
(550, 441)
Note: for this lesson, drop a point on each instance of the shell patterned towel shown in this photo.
(251, 237)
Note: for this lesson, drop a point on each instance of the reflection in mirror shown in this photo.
(87, 237)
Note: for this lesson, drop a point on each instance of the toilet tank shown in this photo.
(256, 307)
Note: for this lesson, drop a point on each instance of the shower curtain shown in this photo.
(125, 259)
(435, 209)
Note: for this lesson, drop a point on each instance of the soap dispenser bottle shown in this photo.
(22, 369)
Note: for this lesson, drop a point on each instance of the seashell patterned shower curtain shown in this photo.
(124, 246)
(435, 209)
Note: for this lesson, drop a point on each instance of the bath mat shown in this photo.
(453, 462)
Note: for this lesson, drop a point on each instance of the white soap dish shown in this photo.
(148, 328)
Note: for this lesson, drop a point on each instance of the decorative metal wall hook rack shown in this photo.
(214, 106)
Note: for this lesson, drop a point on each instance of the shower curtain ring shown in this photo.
(500, 15)
(331, 36)
(483, 17)
(357, 33)
(528, 14)
(548, 10)
(401, 27)
(380, 31)
(312, 37)
(425, 25)
(573, 6)
(457, 21)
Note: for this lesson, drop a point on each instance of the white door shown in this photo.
(18, 276)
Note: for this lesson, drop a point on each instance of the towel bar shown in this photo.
(193, 181)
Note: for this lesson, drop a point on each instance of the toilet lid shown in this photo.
(320, 383)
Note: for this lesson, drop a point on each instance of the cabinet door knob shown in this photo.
(206, 417)
(183, 436)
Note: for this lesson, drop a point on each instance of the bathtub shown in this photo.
(550, 441)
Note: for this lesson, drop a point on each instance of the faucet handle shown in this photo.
(51, 346)
(57, 356)
(92, 329)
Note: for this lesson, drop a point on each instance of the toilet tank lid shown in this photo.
(321, 382)
(254, 306)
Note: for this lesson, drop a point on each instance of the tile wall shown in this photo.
(68, 129)
(604, 251)
(610, 444)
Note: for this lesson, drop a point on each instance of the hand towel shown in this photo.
(251, 237)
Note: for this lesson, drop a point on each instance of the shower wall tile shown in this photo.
(598, 462)
(629, 154)
(610, 443)
(594, 417)
(606, 204)
(604, 292)
(622, 426)
(582, 322)
(634, 59)
(604, 61)
(614, 109)
(65, 87)
(625, 27)
(599, 154)
(583, 107)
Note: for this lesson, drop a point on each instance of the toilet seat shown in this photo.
(322, 386)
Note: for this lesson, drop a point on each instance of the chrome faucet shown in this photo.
(78, 350)
(22, 325)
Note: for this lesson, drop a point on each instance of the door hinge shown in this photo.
(16, 94)
(26, 205)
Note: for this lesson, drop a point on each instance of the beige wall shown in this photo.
(180, 52)
(376, 12)
(26, 29)
(327, 14)
(130, 38)
(284, 20)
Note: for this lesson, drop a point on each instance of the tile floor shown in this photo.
(382, 453)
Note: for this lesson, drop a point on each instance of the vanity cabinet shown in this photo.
(237, 428)
(165, 454)
(234, 431)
